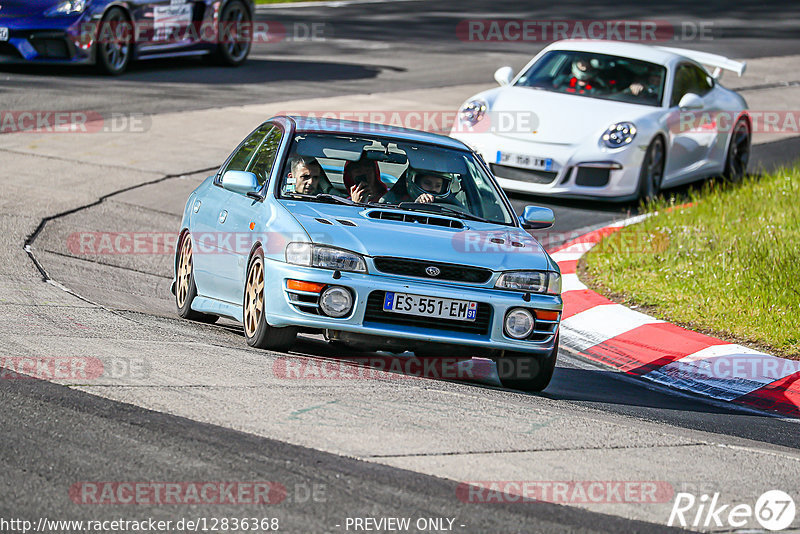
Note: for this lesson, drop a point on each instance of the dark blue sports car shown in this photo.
(111, 33)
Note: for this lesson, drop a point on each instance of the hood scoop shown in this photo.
(415, 217)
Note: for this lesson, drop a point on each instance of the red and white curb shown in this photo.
(641, 345)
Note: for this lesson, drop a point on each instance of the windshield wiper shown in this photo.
(439, 208)
(322, 197)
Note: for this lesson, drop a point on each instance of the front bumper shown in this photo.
(282, 312)
(57, 40)
(577, 171)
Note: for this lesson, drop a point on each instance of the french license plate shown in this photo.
(3, 34)
(524, 160)
(460, 310)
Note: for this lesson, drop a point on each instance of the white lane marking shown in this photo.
(572, 252)
(724, 371)
(601, 323)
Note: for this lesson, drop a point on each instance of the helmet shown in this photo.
(418, 180)
(581, 74)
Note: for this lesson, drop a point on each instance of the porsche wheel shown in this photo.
(258, 333)
(738, 152)
(652, 172)
(114, 44)
(517, 370)
(185, 288)
(235, 34)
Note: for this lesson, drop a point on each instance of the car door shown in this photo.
(245, 223)
(164, 25)
(210, 222)
(693, 132)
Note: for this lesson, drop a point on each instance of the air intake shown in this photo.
(418, 218)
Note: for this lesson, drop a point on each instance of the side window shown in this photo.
(261, 165)
(702, 82)
(681, 85)
(241, 158)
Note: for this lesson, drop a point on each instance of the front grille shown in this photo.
(523, 175)
(9, 50)
(592, 177)
(51, 48)
(449, 271)
(374, 313)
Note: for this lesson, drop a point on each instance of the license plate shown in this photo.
(525, 161)
(460, 310)
(3, 34)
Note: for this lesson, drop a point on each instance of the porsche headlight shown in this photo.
(67, 7)
(472, 112)
(312, 255)
(531, 282)
(619, 134)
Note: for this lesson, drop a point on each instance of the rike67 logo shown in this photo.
(774, 510)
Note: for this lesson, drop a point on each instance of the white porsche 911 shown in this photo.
(609, 120)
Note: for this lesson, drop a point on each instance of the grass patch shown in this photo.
(728, 266)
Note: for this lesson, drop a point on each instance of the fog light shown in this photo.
(519, 323)
(336, 301)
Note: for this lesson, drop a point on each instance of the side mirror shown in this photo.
(242, 182)
(690, 101)
(537, 218)
(504, 75)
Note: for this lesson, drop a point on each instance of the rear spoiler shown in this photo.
(719, 63)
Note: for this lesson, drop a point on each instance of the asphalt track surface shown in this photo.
(53, 436)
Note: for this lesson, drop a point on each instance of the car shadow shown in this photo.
(198, 71)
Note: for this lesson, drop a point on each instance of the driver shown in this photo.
(583, 77)
(423, 187)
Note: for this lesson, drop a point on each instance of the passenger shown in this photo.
(362, 180)
(583, 77)
(307, 173)
(425, 187)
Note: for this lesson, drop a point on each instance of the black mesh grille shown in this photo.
(375, 314)
(589, 176)
(9, 50)
(448, 271)
(523, 175)
(51, 48)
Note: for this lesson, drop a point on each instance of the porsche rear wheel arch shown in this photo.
(185, 286)
(227, 52)
(737, 156)
(257, 331)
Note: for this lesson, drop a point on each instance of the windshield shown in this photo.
(387, 172)
(597, 76)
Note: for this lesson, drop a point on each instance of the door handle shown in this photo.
(222, 216)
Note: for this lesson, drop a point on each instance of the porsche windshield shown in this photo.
(375, 170)
(597, 76)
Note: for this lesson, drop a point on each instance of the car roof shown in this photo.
(618, 48)
(321, 124)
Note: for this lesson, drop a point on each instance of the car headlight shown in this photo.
(472, 112)
(312, 255)
(67, 7)
(531, 282)
(619, 134)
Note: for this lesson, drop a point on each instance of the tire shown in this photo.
(114, 44)
(257, 332)
(233, 52)
(738, 152)
(652, 171)
(185, 288)
(519, 370)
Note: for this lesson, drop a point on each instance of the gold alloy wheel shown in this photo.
(184, 272)
(254, 297)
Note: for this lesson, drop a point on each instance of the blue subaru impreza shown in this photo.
(377, 237)
(111, 33)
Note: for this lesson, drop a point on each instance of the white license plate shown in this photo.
(461, 310)
(3, 34)
(524, 160)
